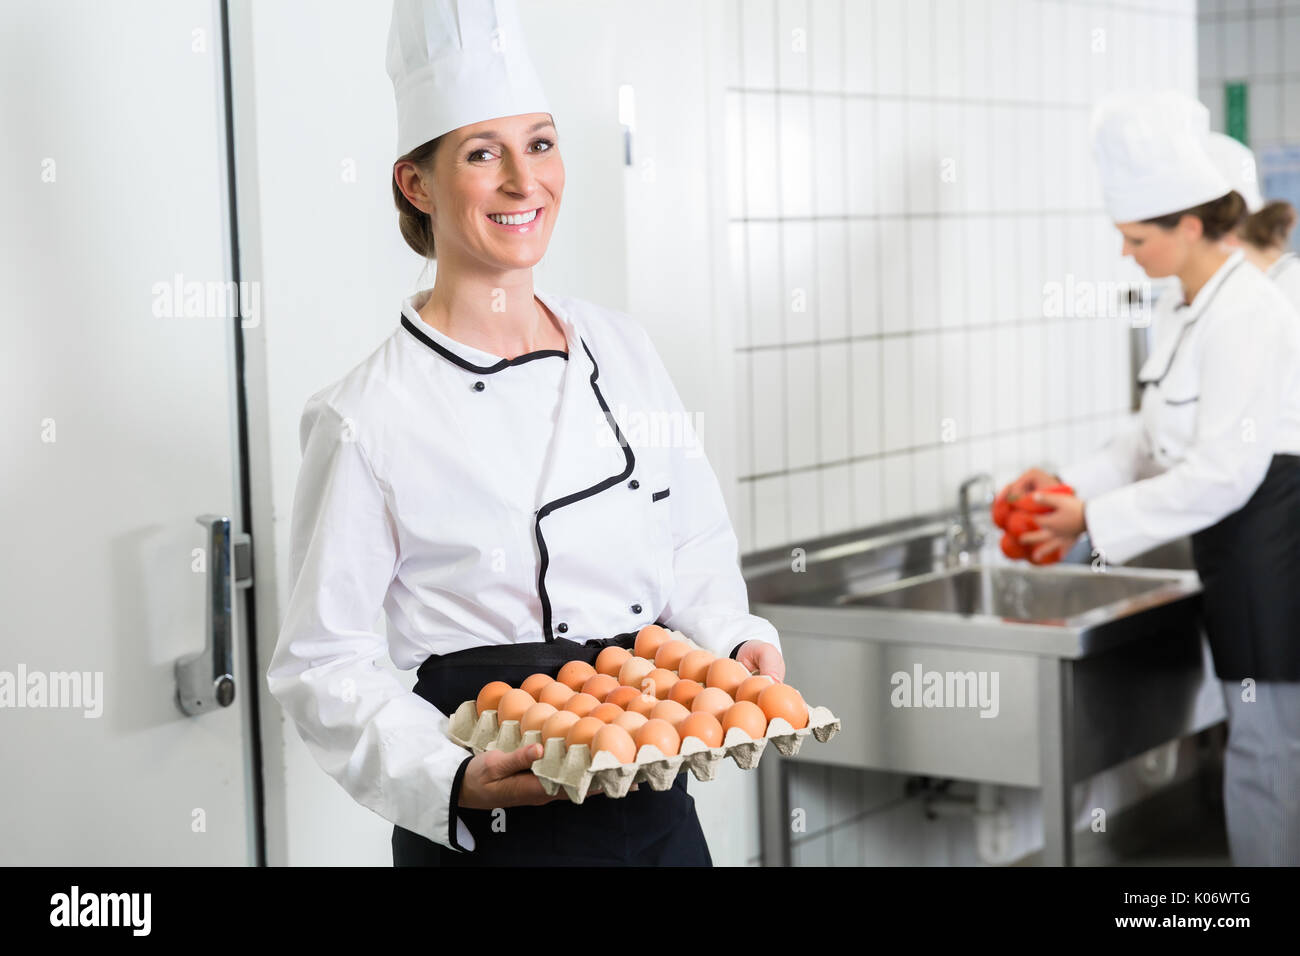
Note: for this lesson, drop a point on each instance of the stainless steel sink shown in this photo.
(1092, 667)
(1038, 595)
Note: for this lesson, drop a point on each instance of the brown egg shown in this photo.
(695, 665)
(606, 713)
(611, 659)
(782, 700)
(658, 733)
(747, 716)
(616, 741)
(648, 641)
(702, 726)
(712, 700)
(630, 721)
(659, 682)
(642, 704)
(490, 696)
(556, 694)
(726, 674)
(684, 692)
(513, 704)
(558, 724)
(634, 670)
(622, 695)
(535, 682)
(535, 716)
(582, 732)
(751, 687)
(581, 704)
(670, 711)
(575, 673)
(670, 654)
(599, 685)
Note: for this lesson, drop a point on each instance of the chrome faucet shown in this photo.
(964, 538)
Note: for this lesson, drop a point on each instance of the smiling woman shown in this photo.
(431, 487)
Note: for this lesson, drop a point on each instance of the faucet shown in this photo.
(963, 536)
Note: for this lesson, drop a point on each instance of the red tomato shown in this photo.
(1001, 510)
(1020, 522)
(1012, 548)
(1025, 503)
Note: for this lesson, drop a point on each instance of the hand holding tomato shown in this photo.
(1042, 518)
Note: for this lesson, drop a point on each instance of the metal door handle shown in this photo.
(206, 680)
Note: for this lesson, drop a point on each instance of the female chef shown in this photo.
(477, 478)
(1214, 452)
(1264, 232)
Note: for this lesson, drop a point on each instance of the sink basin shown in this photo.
(1036, 595)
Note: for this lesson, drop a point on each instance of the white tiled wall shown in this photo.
(889, 316)
(1256, 42)
(904, 177)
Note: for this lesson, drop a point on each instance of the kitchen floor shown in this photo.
(1204, 847)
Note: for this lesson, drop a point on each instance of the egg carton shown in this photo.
(577, 772)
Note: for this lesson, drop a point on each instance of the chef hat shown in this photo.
(1237, 164)
(458, 62)
(1151, 155)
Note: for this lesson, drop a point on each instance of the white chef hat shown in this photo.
(1237, 163)
(1151, 155)
(458, 62)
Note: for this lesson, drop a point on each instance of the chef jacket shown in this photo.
(1285, 271)
(1216, 407)
(432, 486)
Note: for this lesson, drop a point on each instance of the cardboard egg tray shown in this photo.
(574, 770)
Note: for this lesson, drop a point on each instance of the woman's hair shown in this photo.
(417, 228)
(1271, 226)
(1218, 216)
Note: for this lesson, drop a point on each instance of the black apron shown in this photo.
(644, 828)
(1249, 564)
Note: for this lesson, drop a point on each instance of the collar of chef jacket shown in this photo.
(600, 521)
(1285, 262)
(1173, 324)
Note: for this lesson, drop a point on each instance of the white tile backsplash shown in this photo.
(792, 44)
(799, 282)
(802, 405)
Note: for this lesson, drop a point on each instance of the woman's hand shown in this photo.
(762, 657)
(1059, 528)
(496, 778)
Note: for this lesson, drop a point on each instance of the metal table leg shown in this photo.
(1056, 759)
(773, 812)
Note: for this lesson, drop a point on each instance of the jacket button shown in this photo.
(562, 627)
(478, 386)
(634, 484)
(636, 608)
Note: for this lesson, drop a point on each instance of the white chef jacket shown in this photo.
(1285, 271)
(1214, 411)
(420, 492)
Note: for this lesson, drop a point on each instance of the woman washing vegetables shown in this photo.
(1214, 451)
(470, 479)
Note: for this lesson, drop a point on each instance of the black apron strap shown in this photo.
(1249, 565)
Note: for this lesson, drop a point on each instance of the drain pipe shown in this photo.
(994, 832)
(1158, 765)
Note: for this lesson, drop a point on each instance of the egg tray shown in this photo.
(575, 770)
